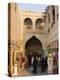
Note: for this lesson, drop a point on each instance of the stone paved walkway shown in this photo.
(28, 72)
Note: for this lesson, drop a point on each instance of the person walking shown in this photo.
(42, 64)
(50, 63)
(35, 63)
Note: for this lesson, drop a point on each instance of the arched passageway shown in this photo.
(34, 49)
(33, 45)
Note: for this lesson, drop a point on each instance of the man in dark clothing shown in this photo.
(35, 62)
(45, 64)
(42, 64)
(29, 60)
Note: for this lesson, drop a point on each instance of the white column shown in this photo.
(33, 25)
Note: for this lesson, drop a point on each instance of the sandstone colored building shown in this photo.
(27, 26)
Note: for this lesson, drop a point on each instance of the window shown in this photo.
(49, 17)
(28, 23)
(52, 24)
(53, 12)
(38, 23)
(48, 30)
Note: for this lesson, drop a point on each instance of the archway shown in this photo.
(33, 47)
(38, 23)
(28, 23)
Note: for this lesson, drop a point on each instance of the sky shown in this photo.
(32, 7)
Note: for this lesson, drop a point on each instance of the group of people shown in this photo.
(34, 62)
(21, 61)
(45, 63)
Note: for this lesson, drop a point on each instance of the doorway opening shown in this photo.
(33, 47)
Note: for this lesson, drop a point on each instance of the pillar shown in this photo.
(33, 25)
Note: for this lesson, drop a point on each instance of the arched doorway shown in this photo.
(33, 47)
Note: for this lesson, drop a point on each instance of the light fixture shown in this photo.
(42, 24)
